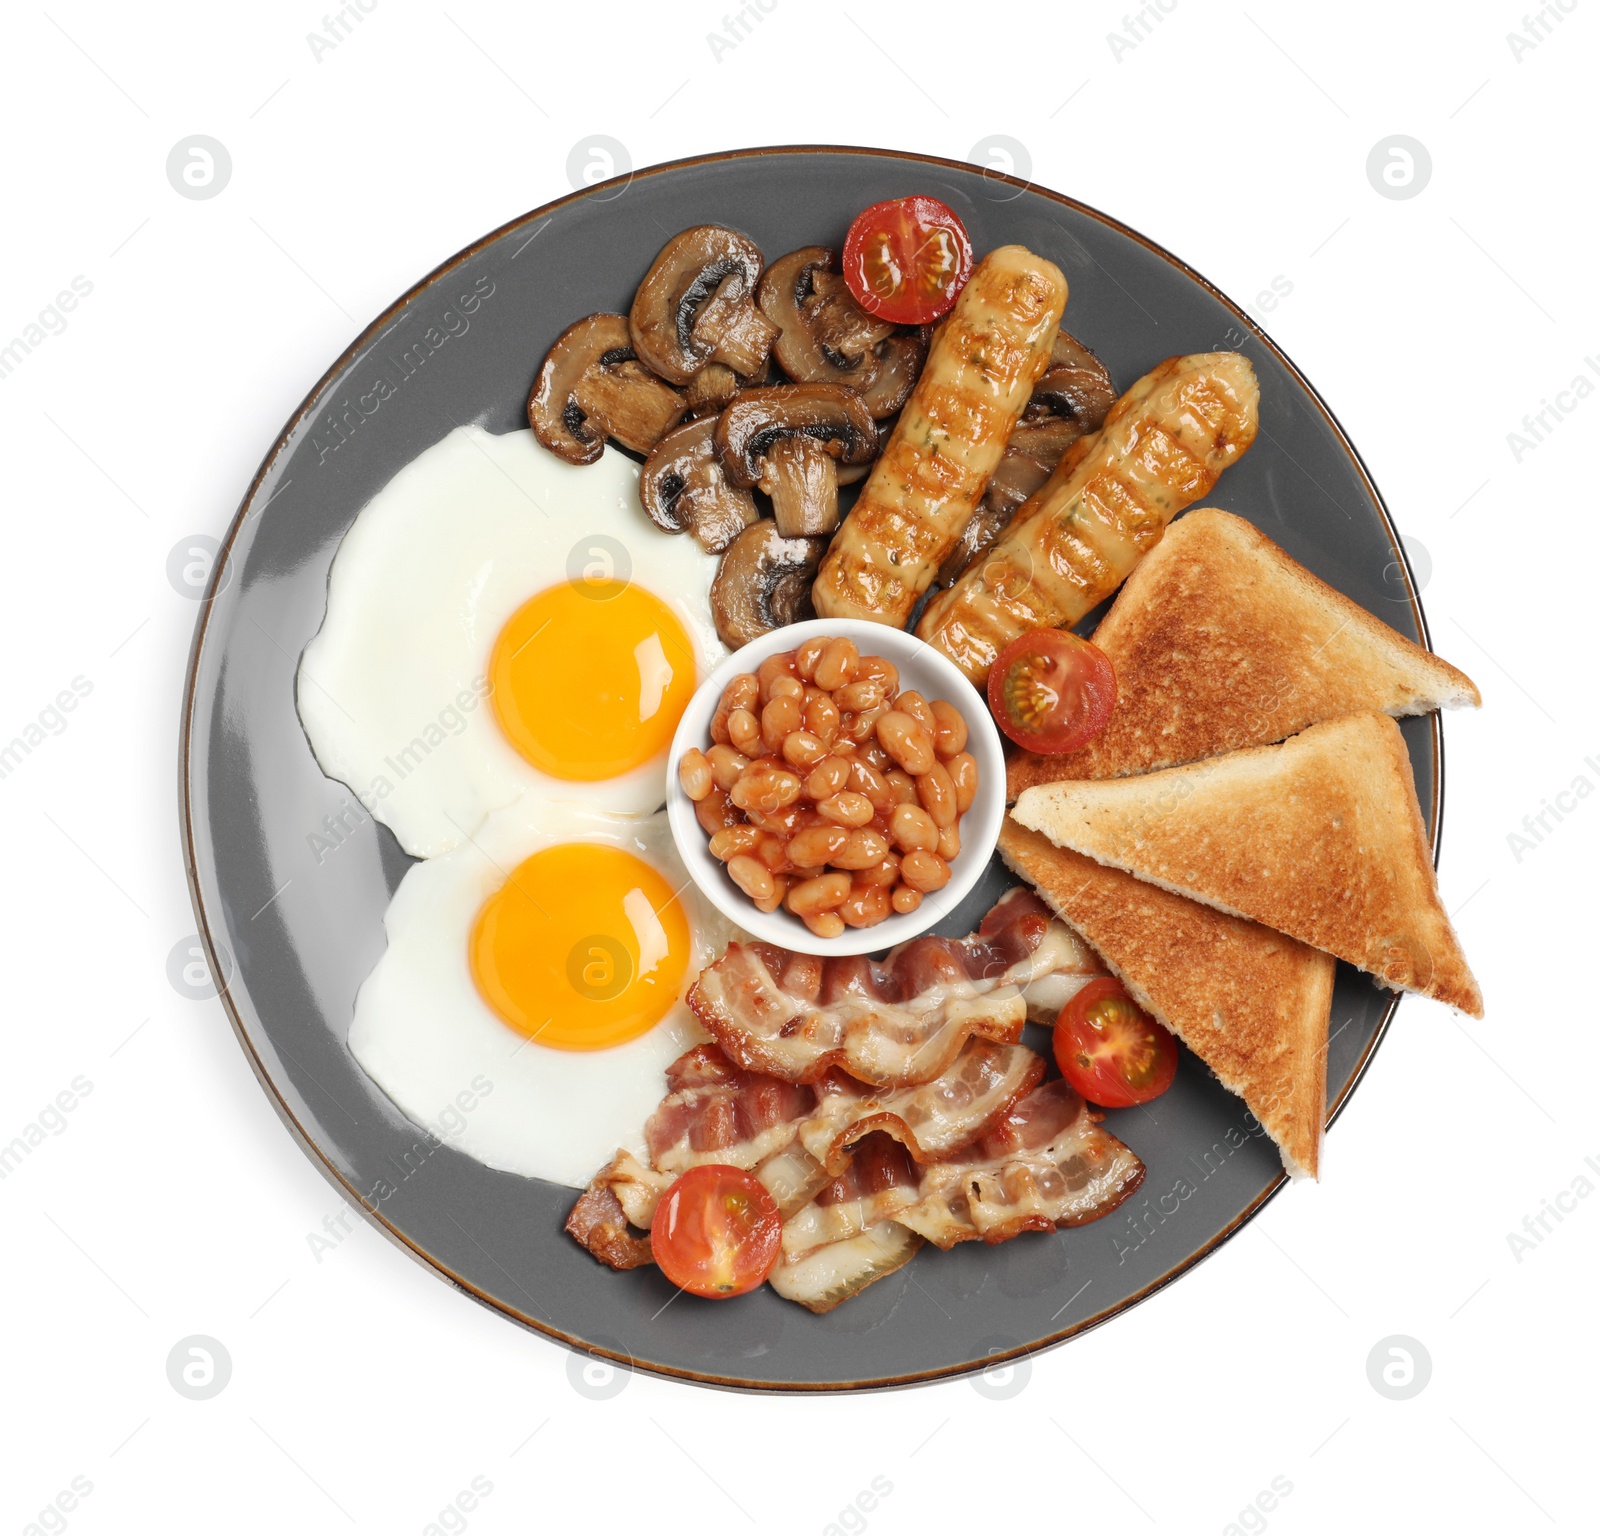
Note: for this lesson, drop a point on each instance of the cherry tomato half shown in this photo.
(1049, 691)
(1110, 1049)
(906, 260)
(716, 1231)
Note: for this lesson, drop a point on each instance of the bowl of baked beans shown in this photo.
(836, 787)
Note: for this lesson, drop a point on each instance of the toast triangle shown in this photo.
(1220, 640)
(1250, 1003)
(1320, 837)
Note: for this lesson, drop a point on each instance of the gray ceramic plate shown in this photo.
(294, 938)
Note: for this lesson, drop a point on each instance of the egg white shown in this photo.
(393, 689)
(424, 1034)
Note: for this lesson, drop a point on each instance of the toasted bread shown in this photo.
(1250, 1003)
(1221, 641)
(1320, 837)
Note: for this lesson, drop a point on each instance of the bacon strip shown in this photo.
(599, 1222)
(637, 1189)
(795, 1138)
(898, 1021)
(863, 1176)
(881, 1181)
(746, 1117)
(720, 1113)
(930, 1120)
(621, 1200)
(1047, 1164)
(826, 1276)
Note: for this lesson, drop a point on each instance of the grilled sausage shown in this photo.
(1109, 500)
(985, 359)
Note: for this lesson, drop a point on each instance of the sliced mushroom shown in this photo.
(1032, 451)
(764, 582)
(825, 337)
(900, 361)
(696, 306)
(1032, 455)
(1069, 401)
(850, 474)
(683, 487)
(1075, 387)
(841, 327)
(985, 525)
(790, 440)
(711, 389)
(781, 297)
(592, 386)
(804, 487)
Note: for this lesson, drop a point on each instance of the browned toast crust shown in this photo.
(1320, 837)
(1250, 1003)
(1220, 640)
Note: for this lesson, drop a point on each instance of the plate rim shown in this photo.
(186, 756)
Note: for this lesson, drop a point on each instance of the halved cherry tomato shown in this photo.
(1050, 691)
(906, 260)
(716, 1231)
(1110, 1049)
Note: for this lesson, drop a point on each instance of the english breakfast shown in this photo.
(1212, 802)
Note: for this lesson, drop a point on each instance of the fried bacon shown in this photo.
(1047, 1164)
(602, 1226)
(793, 1137)
(930, 1120)
(822, 1272)
(897, 1021)
(880, 1181)
(720, 1113)
(743, 1118)
(637, 1189)
(863, 1171)
(621, 1200)
(826, 1276)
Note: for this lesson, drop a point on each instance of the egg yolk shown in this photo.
(583, 947)
(589, 679)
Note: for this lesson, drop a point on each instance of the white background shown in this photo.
(364, 1393)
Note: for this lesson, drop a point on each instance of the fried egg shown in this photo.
(503, 623)
(532, 991)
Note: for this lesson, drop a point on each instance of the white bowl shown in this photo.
(932, 675)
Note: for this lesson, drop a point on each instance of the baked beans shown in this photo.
(829, 790)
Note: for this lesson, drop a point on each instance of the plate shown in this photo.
(290, 878)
